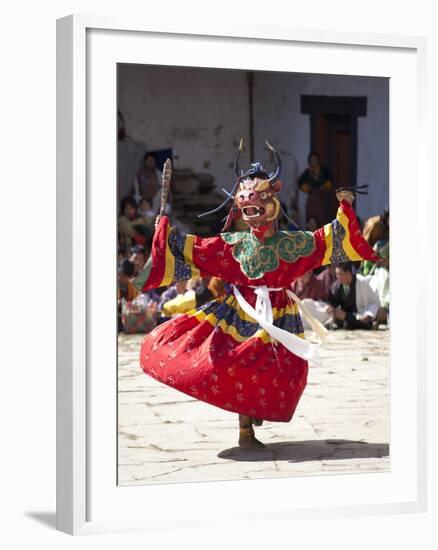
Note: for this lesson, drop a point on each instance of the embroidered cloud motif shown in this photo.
(256, 258)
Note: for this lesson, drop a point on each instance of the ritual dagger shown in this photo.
(165, 180)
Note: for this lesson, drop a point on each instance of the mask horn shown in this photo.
(236, 163)
(276, 174)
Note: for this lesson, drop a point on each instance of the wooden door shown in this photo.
(334, 139)
(333, 128)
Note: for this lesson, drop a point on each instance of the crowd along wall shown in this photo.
(277, 115)
(202, 114)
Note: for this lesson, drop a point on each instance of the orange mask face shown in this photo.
(257, 201)
(256, 196)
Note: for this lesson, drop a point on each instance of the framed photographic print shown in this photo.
(227, 201)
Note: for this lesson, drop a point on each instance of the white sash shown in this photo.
(315, 324)
(264, 317)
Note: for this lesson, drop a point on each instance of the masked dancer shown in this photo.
(244, 351)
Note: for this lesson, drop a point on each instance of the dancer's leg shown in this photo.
(246, 433)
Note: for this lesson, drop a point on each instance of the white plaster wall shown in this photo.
(277, 117)
(200, 113)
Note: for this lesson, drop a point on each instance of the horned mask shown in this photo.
(254, 194)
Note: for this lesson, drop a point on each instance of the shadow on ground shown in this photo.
(304, 451)
(46, 518)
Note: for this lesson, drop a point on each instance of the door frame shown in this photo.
(354, 107)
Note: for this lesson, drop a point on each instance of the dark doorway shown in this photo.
(333, 133)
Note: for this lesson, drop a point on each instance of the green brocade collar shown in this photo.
(257, 258)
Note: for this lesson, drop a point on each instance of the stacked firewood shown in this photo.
(192, 194)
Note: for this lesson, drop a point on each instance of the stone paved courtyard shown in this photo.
(341, 423)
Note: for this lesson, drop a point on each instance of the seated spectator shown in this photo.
(121, 255)
(138, 257)
(378, 278)
(133, 229)
(179, 305)
(171, 292)
(314, 292)
(125, 289)
(327, 276)
(146, 211)
(368, 267)
(217, 287)
(311, 286)
(377, 228)
(354, 303)
(202, 290)
(184, 296)
(196, 294)
(168, 295)
(182, 303)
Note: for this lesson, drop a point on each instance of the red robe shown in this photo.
(219, 354)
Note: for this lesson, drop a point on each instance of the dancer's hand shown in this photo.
(345, 196)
